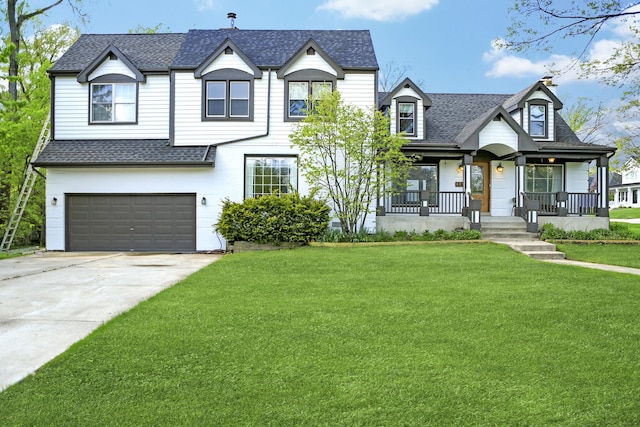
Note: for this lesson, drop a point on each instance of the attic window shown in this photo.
(228, 51)
(311, 51)
(538, 120)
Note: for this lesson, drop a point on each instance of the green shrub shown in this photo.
(617, 231)
(273, 219)
(337, 236)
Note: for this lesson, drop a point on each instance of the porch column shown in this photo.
(603, 186)
(467, 161)
(520, 162)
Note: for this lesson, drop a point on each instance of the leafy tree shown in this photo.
(586, 120)
(21, 122)
(18, 13)
(347, 155)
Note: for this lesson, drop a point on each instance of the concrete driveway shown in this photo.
(48, 301)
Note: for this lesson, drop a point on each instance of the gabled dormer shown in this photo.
(113, 88)
(227, 76)
(534, 109)
(306, 74)
(406, 105)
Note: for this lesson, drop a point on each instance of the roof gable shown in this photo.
(221, 50)
(310, 48)
(519, 100)
(469, 137)
(406, 84)
(111, 52)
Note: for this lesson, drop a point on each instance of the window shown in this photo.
(422, 177)
(264, 175)
(538, 120)
(406, 118)
(543, 179)
(113, 102)
(227, 99)
(302, 96)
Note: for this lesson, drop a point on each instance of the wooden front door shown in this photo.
(480, 183)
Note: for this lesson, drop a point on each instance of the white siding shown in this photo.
(311, 62)
(228, 61)
(356, 89)
(109, 66)
(499, 133)
(577, 176)
(72, 112)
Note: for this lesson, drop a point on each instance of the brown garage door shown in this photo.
(131, 222)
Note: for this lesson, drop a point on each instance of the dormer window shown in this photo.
(302, 90)
(113, 102)
(407, 118)
(538, 120)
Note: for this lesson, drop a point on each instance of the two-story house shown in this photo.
(150, 132)
(625, 194)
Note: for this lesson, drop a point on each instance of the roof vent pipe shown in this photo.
(232, 20)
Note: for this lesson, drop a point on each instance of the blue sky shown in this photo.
(445, 45)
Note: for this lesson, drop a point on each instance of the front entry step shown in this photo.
(512, 231)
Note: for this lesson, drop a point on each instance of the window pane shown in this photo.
(216, 90)
(239, 108)
(102, 93)
(101, 113)
(537, 112)
(537, 128)
(125, 113)
(125, 93)
(318, 88)
(405, 109)
(298, 90)
(215, 107)
(239, 90)
(406, 125)
(297, 108)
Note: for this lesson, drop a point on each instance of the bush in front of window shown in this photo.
(273, 219)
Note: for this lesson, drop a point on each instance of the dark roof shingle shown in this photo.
(272, 48)
(117, 152)
(148, 52)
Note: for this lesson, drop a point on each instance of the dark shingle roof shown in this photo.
(272, 48)
(450, 113)
(148, 52)
(149, 152)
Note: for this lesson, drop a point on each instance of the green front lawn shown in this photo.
(625, 213)
(626, 255)
(434, 334)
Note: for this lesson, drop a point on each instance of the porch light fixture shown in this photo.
(460, 167)
(203, 202)
(552, 159)
(54, 201)
(500, 168)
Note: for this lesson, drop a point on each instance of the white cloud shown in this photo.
(378, 10)
(203, 5)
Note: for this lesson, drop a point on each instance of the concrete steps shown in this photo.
(512, 231)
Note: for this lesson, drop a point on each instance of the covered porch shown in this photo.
(449, 192)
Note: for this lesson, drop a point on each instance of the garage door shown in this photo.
(131, 222)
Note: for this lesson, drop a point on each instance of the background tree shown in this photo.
(19, 13)
(21, 121)
(348, 155)
(541, 24)
(587, 120)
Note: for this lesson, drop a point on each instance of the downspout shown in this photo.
(249, 138)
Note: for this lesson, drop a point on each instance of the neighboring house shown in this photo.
(625, 194)
(150, 132)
